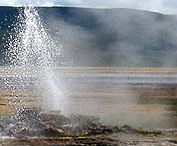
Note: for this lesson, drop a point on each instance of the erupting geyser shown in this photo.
(30, 52)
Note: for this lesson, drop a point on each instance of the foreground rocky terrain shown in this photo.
(33, 127)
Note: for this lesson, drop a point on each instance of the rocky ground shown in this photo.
(32, 127)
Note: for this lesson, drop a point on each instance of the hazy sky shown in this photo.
(163, 6)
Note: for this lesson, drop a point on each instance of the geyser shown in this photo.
(30, 52)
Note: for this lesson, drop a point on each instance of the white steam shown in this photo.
(30, 52)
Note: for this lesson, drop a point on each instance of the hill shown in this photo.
(105, 37)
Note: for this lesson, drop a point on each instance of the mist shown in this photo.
(126, 38)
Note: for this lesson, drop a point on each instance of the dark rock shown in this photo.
(127, 129)
(53, 119)
(82, 119)
(116, 129)
(27, 113)
(51, 132)
(1, 127)
(26, 132)
(151, 132)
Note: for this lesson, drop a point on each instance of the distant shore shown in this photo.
(103, 69)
